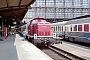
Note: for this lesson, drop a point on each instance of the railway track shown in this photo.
(58, 54)
(53, 54)
(65, 54)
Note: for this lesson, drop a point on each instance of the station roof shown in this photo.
(14, 10)
(55, 20)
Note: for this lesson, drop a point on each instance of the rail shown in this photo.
(65, 54)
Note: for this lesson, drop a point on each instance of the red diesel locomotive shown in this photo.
(40, 32)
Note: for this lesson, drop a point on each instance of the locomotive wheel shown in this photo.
(32, 40)
(69, 38)
(49, 44)
(73, 39)
(27, 37)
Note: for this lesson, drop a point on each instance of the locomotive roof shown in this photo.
(78, 21)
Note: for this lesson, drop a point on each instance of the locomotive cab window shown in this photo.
(34, 21)
(43, 20)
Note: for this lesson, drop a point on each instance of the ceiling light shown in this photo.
(13, 19)
(14, 22)
(0, 16)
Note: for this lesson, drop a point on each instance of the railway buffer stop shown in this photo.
(11, 13)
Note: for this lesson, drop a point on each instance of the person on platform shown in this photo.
(24, 34)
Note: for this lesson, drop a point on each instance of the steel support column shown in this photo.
(2, 36)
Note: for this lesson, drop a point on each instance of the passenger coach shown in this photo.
(58, 28)
(77, 30)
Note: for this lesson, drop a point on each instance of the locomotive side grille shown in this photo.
(44, 29)
(42, 33)
(46, 33)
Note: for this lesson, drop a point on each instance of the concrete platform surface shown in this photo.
(7, 49)
(13, 48)
(27, 51)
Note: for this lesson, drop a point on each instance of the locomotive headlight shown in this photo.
(54, 35)
(35, 36)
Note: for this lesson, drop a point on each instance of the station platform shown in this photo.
(13, 48)
(74, 49)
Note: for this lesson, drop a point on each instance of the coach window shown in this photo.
(67, 28)
(71, 28)
(86, 27)
(79, 27)
(75, 28)
(54, 28)
(62, 28)
(58, 28)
